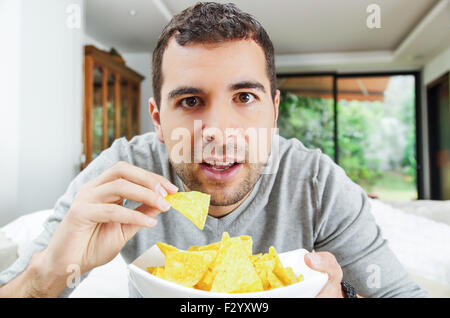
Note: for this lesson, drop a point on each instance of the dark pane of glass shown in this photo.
(306, 111)
(444, 141)
(135, 109)
(97, 114)
(376, 134)
(124, 108)
(110, 108)
(439, 139)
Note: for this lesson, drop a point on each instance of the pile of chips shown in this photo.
(227, 266)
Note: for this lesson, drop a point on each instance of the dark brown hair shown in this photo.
(211, 22)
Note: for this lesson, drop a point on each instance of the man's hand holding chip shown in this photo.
(97, 225)
(326, 262)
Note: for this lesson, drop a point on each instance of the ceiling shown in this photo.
(307, 33)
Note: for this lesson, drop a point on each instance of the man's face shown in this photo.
(216, 96)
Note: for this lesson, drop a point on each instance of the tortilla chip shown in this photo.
(263, 265)
(194, 205)
(233, 272)
(166, 248)
(291, 275)
(279, 270)
(159, 272)
(274, 281)
(206, 281)
(187, 268)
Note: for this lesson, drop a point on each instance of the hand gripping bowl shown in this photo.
(151, 286)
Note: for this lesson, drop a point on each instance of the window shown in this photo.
(366, 123)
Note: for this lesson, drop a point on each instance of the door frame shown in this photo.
(433, 137)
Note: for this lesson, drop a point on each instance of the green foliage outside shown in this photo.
(376, 139)
(308, 119)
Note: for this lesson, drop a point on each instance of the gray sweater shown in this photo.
(306, 202)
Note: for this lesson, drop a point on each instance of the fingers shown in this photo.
(129, 230)
(326, 262)
(106, 213)
(121, 188)
(137, 175)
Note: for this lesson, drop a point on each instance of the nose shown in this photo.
(216, 120)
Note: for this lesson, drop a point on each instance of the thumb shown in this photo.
(324, 262)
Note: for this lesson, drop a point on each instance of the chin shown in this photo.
(225, 197)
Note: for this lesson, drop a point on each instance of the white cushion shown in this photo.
(109, 280)
(421, 245)
(25, 228)
(8, 252)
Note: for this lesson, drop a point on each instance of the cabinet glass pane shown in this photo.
(97, 113)
(124, 108)
(110, 108)
(135, 109)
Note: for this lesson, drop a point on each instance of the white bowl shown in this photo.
(154, 287)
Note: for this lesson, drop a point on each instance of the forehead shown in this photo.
(213, 63)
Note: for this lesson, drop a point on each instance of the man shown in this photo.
(213, 70)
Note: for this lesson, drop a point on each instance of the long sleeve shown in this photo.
(344, 226)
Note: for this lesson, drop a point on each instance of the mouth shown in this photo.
(220, 171)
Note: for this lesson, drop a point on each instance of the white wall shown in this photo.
(10, 19)
(142, 63)
(437, 66)
(46, 100)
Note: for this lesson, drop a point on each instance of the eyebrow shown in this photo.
(247, 84)
(184, 90)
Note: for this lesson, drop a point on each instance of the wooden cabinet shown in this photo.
(111, 101)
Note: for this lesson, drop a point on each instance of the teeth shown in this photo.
(219, 169)
(219, 163)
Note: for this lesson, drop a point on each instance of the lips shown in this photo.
(220, 171)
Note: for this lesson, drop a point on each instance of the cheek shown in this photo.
(265, 128)
(260, 116)
(179, 143)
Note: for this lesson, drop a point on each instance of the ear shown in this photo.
(276, 104)
(154, 113)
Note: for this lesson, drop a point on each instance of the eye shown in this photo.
(245, 98)
(189, 102)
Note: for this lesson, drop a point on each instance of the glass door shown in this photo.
(377, 134)
(306, 111)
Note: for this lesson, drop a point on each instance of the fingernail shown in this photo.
(163, 204)
(161, 190)
(315, 259)
(151, 222)
(171, 187)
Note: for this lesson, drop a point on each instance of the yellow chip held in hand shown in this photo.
(194, 205)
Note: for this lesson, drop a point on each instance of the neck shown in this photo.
(219, 211)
